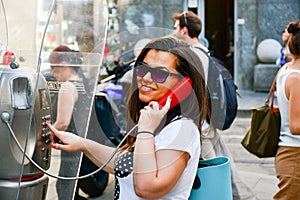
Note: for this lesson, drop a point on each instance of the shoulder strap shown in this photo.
(196, 47)
(271, 92)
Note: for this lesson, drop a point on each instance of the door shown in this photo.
(219, 30)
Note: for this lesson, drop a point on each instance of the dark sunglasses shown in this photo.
(157, 74)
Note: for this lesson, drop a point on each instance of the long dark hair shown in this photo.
(188, 64)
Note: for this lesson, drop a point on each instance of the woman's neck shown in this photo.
(294, 64)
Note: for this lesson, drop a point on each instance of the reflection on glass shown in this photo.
(71, 103)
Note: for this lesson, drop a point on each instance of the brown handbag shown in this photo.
(263, 136)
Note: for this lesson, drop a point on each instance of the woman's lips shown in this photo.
(146, 88)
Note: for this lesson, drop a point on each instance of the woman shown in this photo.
(66, 74)
(287, 163)
(160, 160)
(70, 101)
(284, 51)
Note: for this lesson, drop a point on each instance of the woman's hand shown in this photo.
(152, 115)
(70, 141)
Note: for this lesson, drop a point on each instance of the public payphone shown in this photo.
(23, 115)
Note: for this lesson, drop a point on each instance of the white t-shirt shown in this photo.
(203, 57)
(286, 137)
(182, 135)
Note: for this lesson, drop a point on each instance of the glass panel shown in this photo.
(36, 83)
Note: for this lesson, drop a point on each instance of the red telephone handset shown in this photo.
(180, 92)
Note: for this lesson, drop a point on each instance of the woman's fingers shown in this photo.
(57, 146)
(155, 106)
(52, 128)
(151, 115)
(56, 143)
(167, 106)
(69, 142)
(55, 132)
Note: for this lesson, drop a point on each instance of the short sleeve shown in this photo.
(182, 135)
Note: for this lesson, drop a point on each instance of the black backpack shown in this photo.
(222, 94)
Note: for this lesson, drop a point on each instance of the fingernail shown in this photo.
(53, 145)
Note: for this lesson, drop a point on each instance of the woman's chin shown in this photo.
(147, 98)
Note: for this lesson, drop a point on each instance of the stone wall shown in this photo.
(246, 41)
(255, 20)
(262, 19)
(146, 13)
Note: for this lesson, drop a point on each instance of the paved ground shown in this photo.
(258, 174)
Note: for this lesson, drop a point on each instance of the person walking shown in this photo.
(160, 160)
(288, 96)
(187, 27)
(284, 51)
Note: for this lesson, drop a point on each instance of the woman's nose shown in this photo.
(147, 77)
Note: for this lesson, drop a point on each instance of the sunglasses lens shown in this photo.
(141, 70)
(159, 75)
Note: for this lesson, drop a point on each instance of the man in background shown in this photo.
(188, 27)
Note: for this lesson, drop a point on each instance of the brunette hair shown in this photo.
(64, 55)
(191, 21)
(293, 29)
(188, 64)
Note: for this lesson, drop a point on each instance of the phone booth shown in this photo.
(29, 168)
(23, 115)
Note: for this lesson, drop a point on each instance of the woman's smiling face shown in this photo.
(153, 91)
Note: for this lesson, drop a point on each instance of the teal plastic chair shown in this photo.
(213, 180)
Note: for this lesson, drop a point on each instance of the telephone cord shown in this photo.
(5, 116)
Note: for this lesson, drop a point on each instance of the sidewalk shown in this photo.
(258, 173)
(248, 100)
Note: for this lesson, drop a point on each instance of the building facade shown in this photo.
(247, 23)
